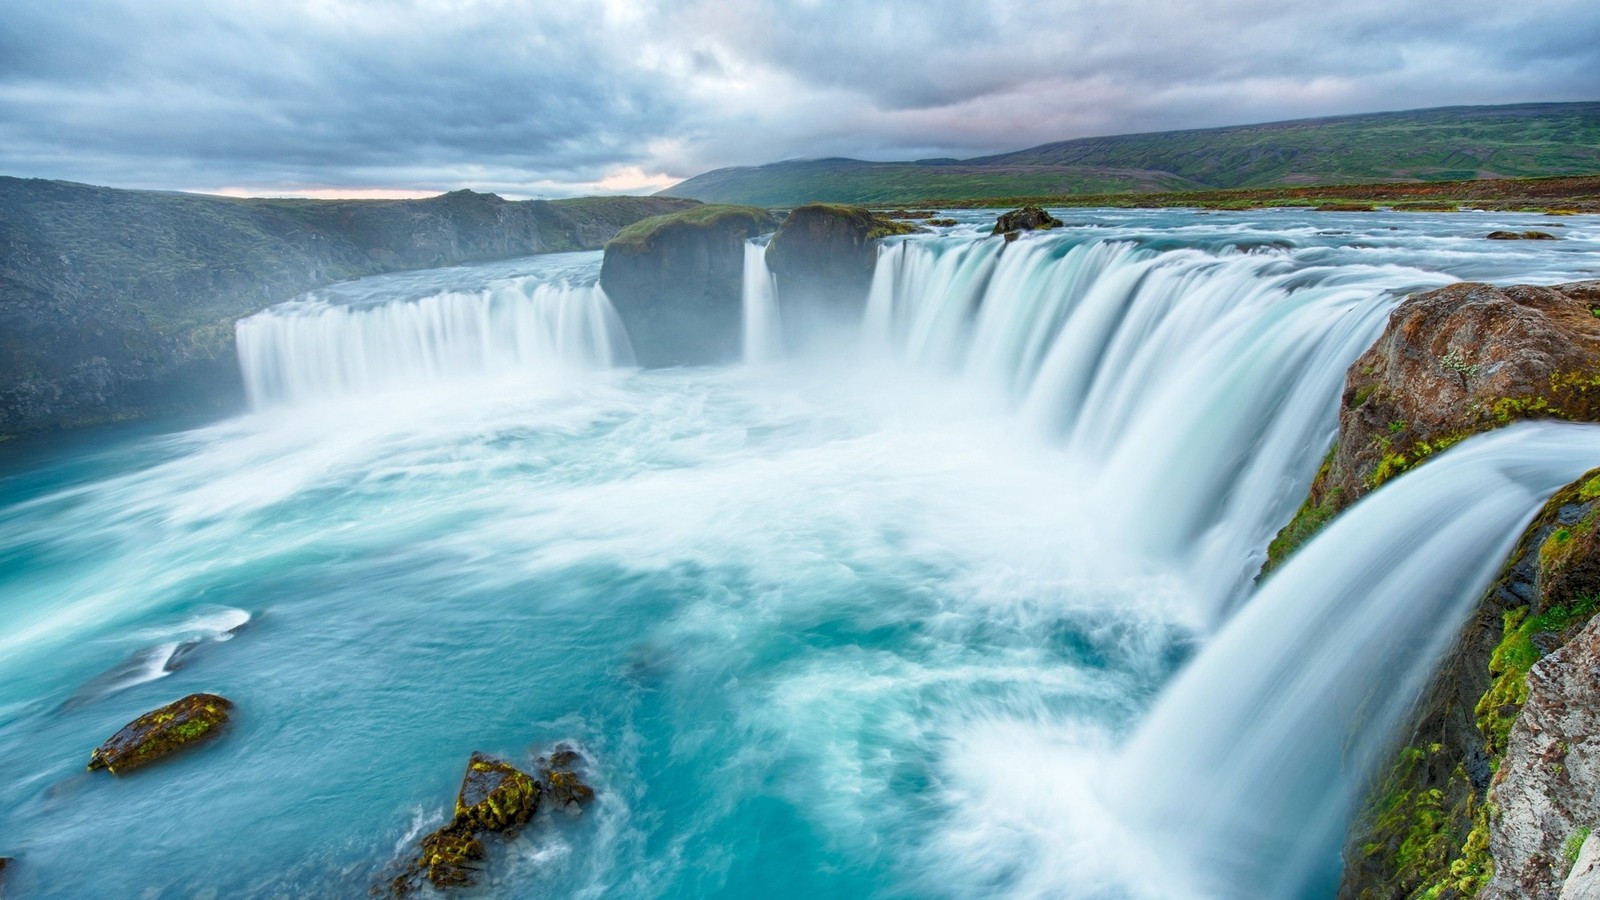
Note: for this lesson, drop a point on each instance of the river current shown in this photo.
(888, 618)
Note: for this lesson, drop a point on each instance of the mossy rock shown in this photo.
(642, 236)
(561, 783)
(448, 856)
(495, 795)
(160, 733)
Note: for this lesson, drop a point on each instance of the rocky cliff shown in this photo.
(676, 280)
(823, 259)
(1487, 763)
(120, 304)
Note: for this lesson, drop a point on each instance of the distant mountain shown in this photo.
(1445, 144)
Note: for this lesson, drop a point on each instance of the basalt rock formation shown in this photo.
(822, 260)
(162, 732)
(676, 280)
(120, 304)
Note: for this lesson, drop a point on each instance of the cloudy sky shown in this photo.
(399, 97)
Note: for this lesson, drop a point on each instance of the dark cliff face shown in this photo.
(822, 260)
(120, 304)
(676, 282)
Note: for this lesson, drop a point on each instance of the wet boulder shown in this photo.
(1028, 218)
(160, 733)
(676, 282)
(496, 798)
(1521, 236)
(562, 784)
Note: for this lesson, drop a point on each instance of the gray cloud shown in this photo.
(528, 99)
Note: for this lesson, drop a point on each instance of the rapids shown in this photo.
(959, 604)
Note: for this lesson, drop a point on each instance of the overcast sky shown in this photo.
(354, 97)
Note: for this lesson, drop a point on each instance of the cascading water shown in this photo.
(874, 625)
(1215, 371)
(763, 329)
(1247, 768)
(310, 349)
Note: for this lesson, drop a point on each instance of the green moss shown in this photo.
(1516, 653)
(641, 235)
(1574, 843)
(1319, 507)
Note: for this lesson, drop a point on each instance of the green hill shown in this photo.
(1446, 144)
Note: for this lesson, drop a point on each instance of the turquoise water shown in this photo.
(833, 627)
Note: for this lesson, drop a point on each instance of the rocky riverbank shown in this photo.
(120, 304)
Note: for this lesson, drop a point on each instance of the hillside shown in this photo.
(1445, 144)
(117, 304)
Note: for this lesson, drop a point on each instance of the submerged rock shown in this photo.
(1028, 218)
(495, 797)
(562, 784)
(1521, 236)
(162, 732)
(676, 282)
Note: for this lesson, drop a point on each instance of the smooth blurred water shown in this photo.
(850, 625)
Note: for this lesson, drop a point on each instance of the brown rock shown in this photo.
(162, 732)
(1521, 236)
(1459, 360)
(1028, 218)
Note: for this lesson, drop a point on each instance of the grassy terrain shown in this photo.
(1447, 144)
(1577, 194)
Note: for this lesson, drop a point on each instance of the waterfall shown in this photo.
(763, 329)
(1218, 372)
(1247, 768)
(310, 348)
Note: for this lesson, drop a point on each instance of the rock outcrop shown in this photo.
(1454, 362)
(120, 304)
(561, 783)
(162, 732)
(1028, 218)
(495, 798)
(822, 260)
(1548, 787)
(1521, 236)
(1451, 363)
(676, 281)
